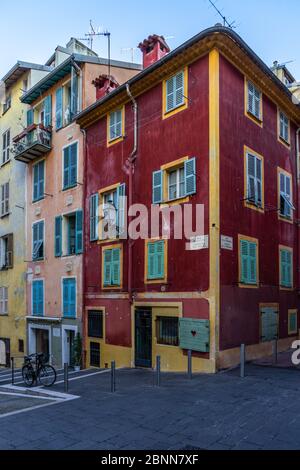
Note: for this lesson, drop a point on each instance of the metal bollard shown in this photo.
(158, 364)
(190, 365)
(66, 377)
(113, 377)
(243, 359)
(275, 351)
(12, 370)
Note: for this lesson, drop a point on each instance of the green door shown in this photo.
(143, 338)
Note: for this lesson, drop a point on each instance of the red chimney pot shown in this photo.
(153, 49)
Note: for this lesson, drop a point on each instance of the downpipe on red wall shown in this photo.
(84, 194)
(131, 163)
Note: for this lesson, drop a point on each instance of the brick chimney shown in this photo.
(104, 84)
(153, 49)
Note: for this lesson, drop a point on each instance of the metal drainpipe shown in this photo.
(84, 194)
(131, 159)
(298, 201)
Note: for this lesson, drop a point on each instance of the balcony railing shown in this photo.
(32, 143)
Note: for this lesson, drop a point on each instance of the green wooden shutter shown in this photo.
(74, 92)
(107, 267)
(58, 237)
(151, 261)
(252, 251)
(94, 202)
(59, 108)
(48, 111)
(190, 176)
(121, 210)
(116, 267)
(66, 167)
(38, 298)
(157, 187)
(73, 164)
(179, 89)
(170, 94)
(244, 253)
(72, 298)
(79, 232)
(293, 322)
(269, 324)
(35, 182)
(160, 259)
(30, 117)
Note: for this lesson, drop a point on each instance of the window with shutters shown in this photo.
(7, 104)
(285, 195)
(286, 267)
(115, 126)
(175, 93)
(95, 324)
(175, 181)
(68, 234)
(69, 298)
(4, 189)
(269, 322)
(248, 262)
(113, 214)
(70, 157)
(156, 261)
(167, 331)
(38, 181)
(283, 127)
(94, 218)
(6, 147)
(3, 300)
(7, 252)
(112, 262)
(38, 305)
(292, 322)
(254, 102)
(254, 190)
(38, 241)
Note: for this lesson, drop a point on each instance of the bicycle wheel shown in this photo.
(47, 376)
(28, 375)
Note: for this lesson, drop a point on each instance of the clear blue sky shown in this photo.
(31, 30)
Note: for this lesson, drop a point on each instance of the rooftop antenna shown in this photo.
(93, 34)
(225, 22)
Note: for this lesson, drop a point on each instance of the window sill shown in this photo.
(156, 281)
(2, 216)
(284, 218)
(5, 163)
(5, 315)
(39, 260)
(175, 202)
(254, 206)
(284, 142)
(248, 286)
(70, 187)
(6, 111)
(115, 141)
(172, 112)
(286, 288)
(35, 201)
(254, 118)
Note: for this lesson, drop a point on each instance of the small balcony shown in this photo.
(32, 143)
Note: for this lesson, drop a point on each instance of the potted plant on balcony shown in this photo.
(77, 352)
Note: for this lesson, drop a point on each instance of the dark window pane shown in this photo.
(95, 355)
(95, 324)
(167, 331)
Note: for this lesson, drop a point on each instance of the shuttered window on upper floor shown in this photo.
(111, 267)
(94, 209)
(38, 241)
(115, 127)
(155, 259)
(254, 180)
(4, 193)
(38, 298)
(3, 300)
(6, 146)
(70, 157)
(284, 127)
(286, 268)
(39, 181)
(174, 92)
(69, 298)
(286, 202)
(248, 262)
(254, 101)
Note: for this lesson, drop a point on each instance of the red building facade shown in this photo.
(206, 117)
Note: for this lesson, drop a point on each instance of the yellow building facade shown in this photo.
(13, 116)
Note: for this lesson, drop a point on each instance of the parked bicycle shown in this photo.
(36, 369)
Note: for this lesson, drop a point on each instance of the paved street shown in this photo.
(210, 412)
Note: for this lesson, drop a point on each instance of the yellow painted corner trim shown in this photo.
(111, 142)
(166, 115)
(291, 250)
(290, 313)
(249, 205)
(247, 113)
(110, 247)
(252, 240)
(280, 139)
(286, 173)
(164, 280)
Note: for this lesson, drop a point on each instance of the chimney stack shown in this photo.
(104, 84)
(153, 49)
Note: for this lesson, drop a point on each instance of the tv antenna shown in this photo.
(225, 21)
(96, 33)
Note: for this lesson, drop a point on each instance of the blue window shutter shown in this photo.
(48, 111)
(35, 182)
(39, 181)
(38, 241)
(38, 298)
(58, 236)
(170, 94)
(79, 232)
(179, 89)
(69, 298)
(252, 263)
(74, 92)
(160, 259)
(116, 267)
(34, 298)
(121, 209)
(244, 262)
(30, 117)
(157, 187)
(66, 167)
(65, 298)
(72, 290)
(190, 176)
(41, 298)
(73, 165)
(59, 108)
(107, 267)
(94, 203)
(151, 261)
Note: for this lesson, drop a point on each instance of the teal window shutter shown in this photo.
(48, 111)
(66, 167)
(286, 268)
(58, 236)
(157, 187)
(248, 253)
(74, 92)
(30, 117)
(121, 209)
(116, 267)
(190, 176)
(252, 263)
(59, 108)
(244, 261)
(35, 183)
(38, 241)
(37, 298)
(79, 232)
(107, 271)
(69, 298)
(175, 92)
(156, 260)
(39, 181)
(70, 166)
(94, 203)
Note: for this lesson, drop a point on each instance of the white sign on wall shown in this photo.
(198, 243)
(56, 332)
(226, 243)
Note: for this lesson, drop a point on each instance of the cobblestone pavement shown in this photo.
(220, 412)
